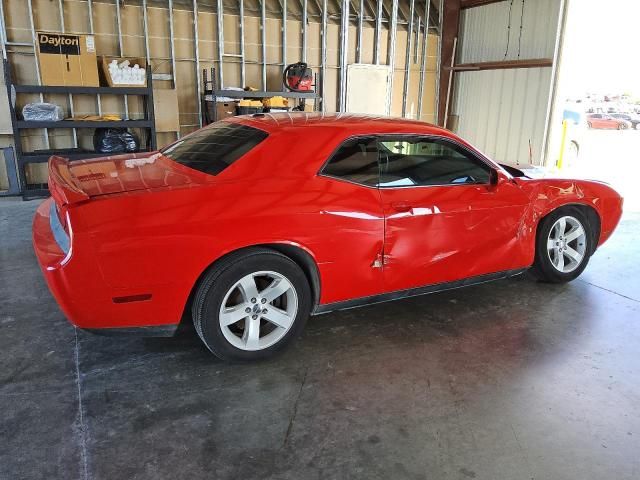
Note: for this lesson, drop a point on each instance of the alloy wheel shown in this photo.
(567, 244)
(258, 310)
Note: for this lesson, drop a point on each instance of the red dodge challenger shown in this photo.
(253, 223)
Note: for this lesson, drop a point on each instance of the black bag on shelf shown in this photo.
(115, 140)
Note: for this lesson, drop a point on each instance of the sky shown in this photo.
(601, 51)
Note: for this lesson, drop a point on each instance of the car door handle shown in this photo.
(401, 207)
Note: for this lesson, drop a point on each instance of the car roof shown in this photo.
(354, 123)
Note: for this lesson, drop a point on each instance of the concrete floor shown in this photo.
(510, 380)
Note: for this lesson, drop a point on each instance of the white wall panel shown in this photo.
(483, 31)
(502, 112)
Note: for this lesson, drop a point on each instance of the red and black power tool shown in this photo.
(298, 77)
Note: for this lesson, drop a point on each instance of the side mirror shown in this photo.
(493, 178)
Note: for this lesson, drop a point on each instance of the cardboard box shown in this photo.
(250, 103)
(276, 102)
(225, 109)
(165, 107)
(67, 60)
(105, 61)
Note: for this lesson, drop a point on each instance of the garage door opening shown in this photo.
(595, 125)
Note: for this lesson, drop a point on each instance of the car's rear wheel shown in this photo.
(622, 126)
(251, 305)
(563, 245)
(589, 125)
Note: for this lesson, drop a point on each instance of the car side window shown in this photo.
(419, 162)
(356, 160)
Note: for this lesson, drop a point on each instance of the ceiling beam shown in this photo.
(502, 65)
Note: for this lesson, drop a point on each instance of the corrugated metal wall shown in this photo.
(503, 112)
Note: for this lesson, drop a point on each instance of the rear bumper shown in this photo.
(87, 301)
(161, 331)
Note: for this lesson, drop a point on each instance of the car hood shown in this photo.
(132, 172)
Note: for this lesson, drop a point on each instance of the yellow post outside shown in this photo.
(562, 144)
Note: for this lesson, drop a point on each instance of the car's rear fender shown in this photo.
(299, 254)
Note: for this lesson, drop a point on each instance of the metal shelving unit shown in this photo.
(22, 124)
(261, 94)
(212, 94)
(80, 90)
(23, 158)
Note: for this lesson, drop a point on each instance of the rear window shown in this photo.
(215, 147)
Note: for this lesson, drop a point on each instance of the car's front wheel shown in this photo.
(563, 245)
(251, 305)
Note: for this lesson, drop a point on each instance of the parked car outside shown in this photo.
(633, 119)
(605, 121)
(251, 224)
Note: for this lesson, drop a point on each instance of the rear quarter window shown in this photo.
(215, 147)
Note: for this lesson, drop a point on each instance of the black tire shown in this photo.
(589, 125)
(543, 268)
(220, 279)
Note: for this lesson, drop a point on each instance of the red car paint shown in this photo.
(143, 228)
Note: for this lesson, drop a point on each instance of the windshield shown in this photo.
(215, 147)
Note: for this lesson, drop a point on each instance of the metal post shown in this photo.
(450, 84)
(172, 44)
(35, 43)
(416, 40)
(147, 51)
(376, 45)
(305, 20)
(90, 7)
(3, 31)
(284, 35)
(438, 61)
(423, 64)
(553, 90)
(196, 51)
(220, 14)
(407, 58)
(263, 36)
(242, 65)
(74, 133)
(323, 53)
(344, 46)
(145, 25)
(61, 13)
(360, 21)
(391, 53)
(120, 52)
(9, 155)
(172, 52)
